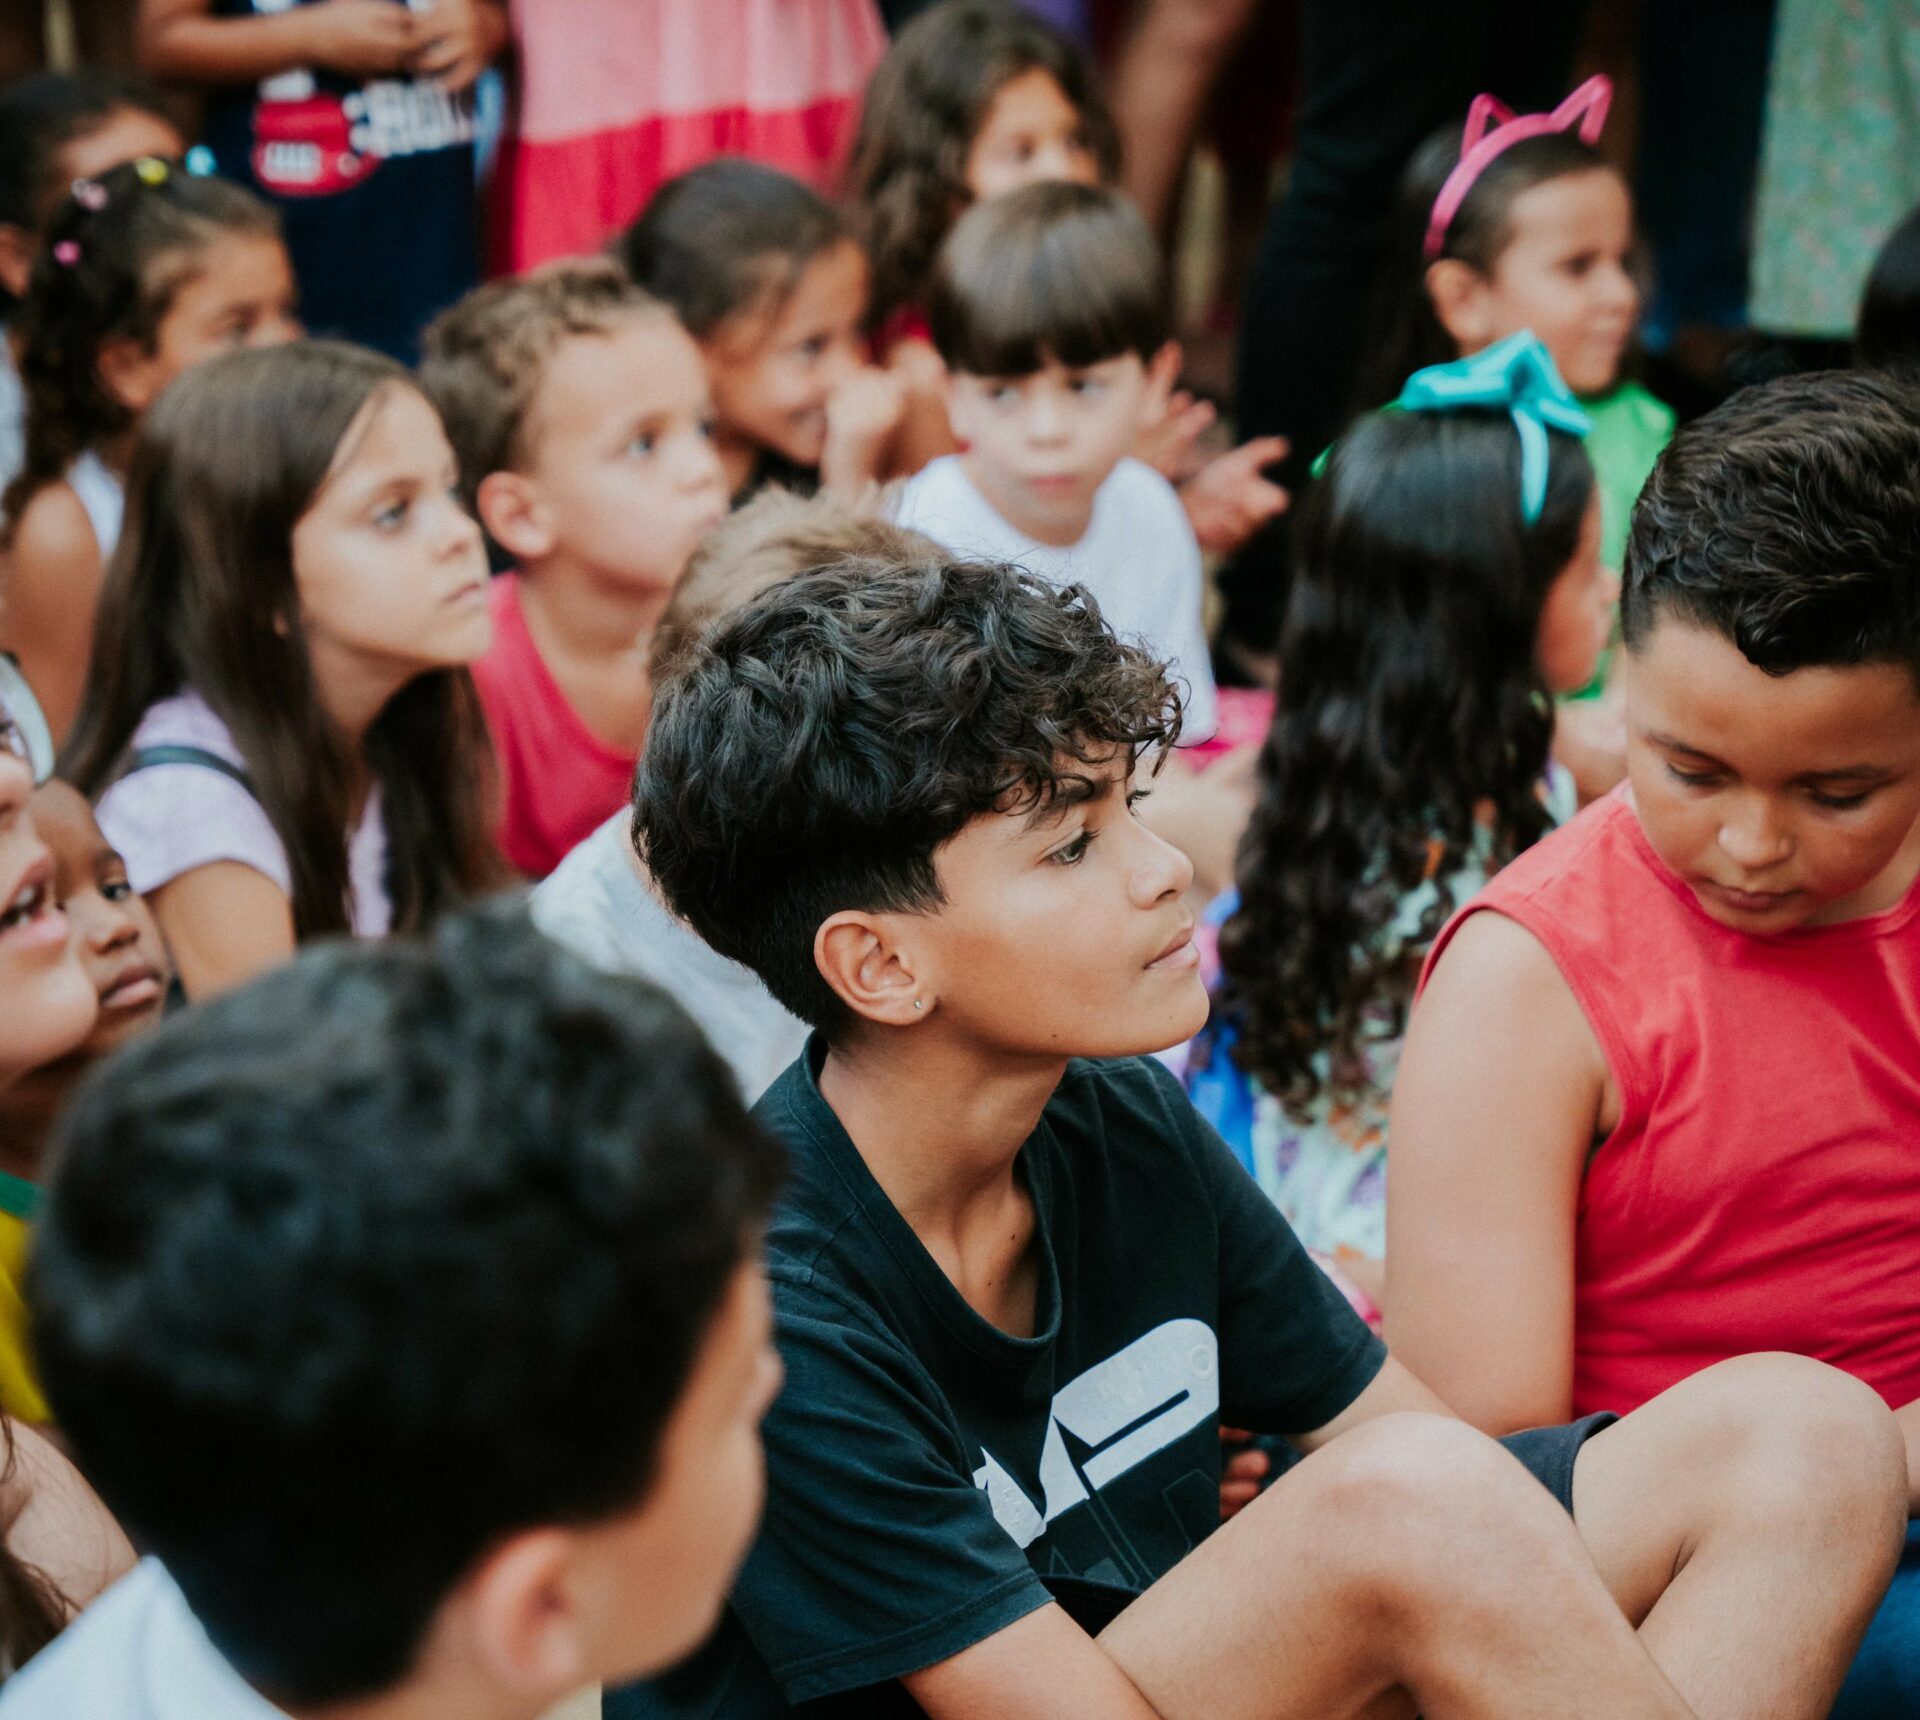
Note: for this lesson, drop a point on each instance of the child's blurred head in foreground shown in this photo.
(583, 423)
(902, 794)
(1771, 609)
(1047, 308)
(277, 1227)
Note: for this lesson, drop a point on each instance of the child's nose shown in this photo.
(1753, 839)
(111, 930)
(1163, 869)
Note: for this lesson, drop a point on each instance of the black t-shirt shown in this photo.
(932, 1479)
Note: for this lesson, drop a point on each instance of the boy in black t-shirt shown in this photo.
(1019, 1285)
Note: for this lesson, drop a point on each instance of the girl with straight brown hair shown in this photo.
(281, 730)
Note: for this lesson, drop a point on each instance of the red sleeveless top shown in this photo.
(1762, 1189)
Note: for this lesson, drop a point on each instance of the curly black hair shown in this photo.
(404, 1248)
(1410, 703)
(925, 104)
(1787, 520)
(115, 258)
(825, 739)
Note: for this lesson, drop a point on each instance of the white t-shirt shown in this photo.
(169, 818)
(1138, 556)
(137, 1653)
(103, 498)
(596, 905)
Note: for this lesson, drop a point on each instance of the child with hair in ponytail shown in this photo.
(145, 271)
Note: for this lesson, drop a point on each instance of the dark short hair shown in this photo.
(400, 1249)
(1051, 271)
(1888, 330)
(1787, 520)
(828, 737)
(727, 238)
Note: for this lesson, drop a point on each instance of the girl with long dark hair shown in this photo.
(281, 730)
(1448, 586)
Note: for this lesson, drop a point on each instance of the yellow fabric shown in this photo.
(19, 1386)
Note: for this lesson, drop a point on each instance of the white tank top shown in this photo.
(102, 495)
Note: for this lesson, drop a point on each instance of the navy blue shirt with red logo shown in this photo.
(375, 185)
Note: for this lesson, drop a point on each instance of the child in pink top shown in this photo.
(1659, 1104)
(580, 412)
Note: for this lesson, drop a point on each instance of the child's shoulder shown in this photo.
(55, 528)
(1143, 498)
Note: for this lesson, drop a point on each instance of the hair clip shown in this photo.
(1518, 375)
(199, 161)
(67, 253)
(90, 194)
(151, 170)
(1493, 129)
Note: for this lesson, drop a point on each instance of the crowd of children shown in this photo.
(660, 1037)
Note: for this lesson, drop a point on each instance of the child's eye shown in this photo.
(1841, 802)
(392, 516)
(813, 346)
(1135, 796)
(1693, 779)
(1074, 852)
(641, 444)
(115, 889)
(708, 425)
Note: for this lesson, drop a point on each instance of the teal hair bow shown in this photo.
(1516, 374)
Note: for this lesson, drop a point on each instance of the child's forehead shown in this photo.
(637, 361)
(1691, 685)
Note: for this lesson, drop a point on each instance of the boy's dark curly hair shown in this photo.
(826, 739)
(924, 106)
(1410, 701)
(405, 1248)
(1787, 520)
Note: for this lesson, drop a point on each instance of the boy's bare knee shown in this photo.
(1795, 1441)
(1427, 1508)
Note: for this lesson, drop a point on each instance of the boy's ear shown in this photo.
(129, 372)
(16, 258)
(509, 506)
(859, 955)
(519, 1614)
(1458, 294)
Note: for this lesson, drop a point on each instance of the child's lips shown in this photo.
(135, 988)
(30, 920)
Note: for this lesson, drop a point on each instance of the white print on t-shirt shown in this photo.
(1138, 1401)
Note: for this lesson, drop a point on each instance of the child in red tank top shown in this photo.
(1660, 1098)
(580, 412)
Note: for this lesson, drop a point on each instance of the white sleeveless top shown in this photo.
(103, 496)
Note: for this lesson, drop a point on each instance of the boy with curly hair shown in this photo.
(1019, 1285)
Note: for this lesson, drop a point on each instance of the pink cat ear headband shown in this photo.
(1493, 129)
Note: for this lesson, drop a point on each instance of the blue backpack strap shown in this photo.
(145, 758)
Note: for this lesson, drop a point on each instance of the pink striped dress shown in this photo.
(617, 96)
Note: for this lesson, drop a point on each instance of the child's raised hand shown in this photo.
(361, 38)
(1168, 443)
(458, 40)
(862, 415)
(1230, 498)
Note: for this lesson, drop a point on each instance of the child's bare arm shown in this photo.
(360, 38)
(1043, 1664)
(1501, 1090)
(49, 587)
(225, 923)
(1909, 1420)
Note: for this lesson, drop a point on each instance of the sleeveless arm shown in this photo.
(47, 602)
(1499, 1096)
(225, 923)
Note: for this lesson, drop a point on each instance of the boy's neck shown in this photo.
(574, 610)
(938, 1123)
(1004, 500)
